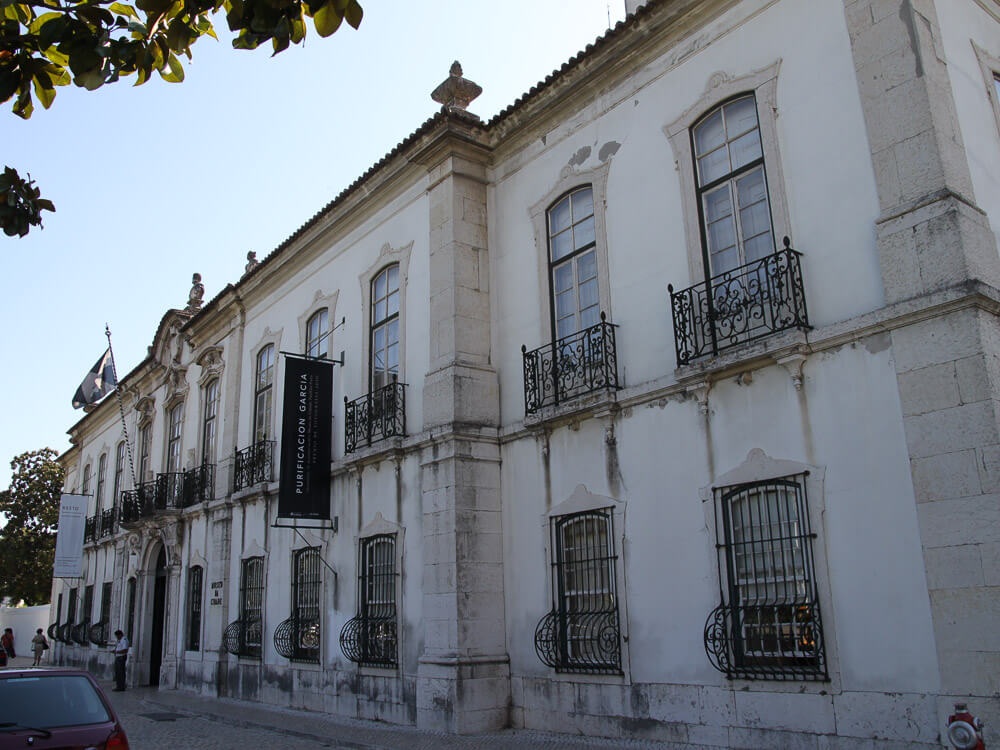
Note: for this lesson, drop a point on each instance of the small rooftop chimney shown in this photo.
(455, 92)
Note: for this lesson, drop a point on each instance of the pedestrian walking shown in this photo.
(7, 642)
(38, 646)
(121, 656)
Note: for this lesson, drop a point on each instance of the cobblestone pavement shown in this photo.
(173, 720)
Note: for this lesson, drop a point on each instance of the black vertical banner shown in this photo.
(304, 490)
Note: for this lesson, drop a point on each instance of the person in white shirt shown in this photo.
(120, 648)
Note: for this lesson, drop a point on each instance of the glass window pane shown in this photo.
(583, 204)
(392, 332)
(725, 261)
(392, 304)
(750, 188)
(588, 295)
(754, 220)
(562, 245)
(589, 317)
(583, 233)
(564, 304)
(721, 235)
(379, 339)
(741, 116)
(586, 266)
(745, 149)
(378, 361)
(380, 286)
(718, 204)
(392, 357)
(759, 247)
(713, 166)
(710, 134)
(380, 308)
(559, 216)
(393, 274)
(565, 327)
(563, 278)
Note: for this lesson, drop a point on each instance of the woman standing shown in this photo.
(7, 642)
(38, 646)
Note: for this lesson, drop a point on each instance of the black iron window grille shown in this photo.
(376, 416)
(67, 628)
(53, 631)
(768, 624)
(194, 609)
(81, 631)
(199, 484)
(582, 632)
(243, 637)
(169, 490)
(575, 365)
(298, 637)
(369, 639)
(131, 508)
(99, 630)
(90, 529)
(740, 305)
(107, 525)
(253, 465)
(130, 608)
(146, 495)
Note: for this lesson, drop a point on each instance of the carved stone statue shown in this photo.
(252, 262)
(197, 294)
(456, 92)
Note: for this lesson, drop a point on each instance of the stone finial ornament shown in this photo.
(252, 262)
(197, 294)
(455, 92)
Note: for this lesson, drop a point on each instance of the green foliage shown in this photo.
(28, 541)
(21, 204)
(48, 43)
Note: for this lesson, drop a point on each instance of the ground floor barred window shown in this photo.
(369, 639)
(582, 633)
(243, 637)
(768, 623)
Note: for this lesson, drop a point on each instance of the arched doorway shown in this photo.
(158, 618)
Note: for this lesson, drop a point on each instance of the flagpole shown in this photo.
(121, 409)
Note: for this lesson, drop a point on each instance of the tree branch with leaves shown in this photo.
(92, 43)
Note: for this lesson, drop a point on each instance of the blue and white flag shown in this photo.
(98, 383)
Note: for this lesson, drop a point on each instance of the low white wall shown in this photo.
(24, 621)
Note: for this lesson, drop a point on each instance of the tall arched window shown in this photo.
(194, 608)
(573, 263)
(119, 472)
(208, 427)
(317, 335)
(263, 395)
(174, 421)
(145, 444)
(102, 469)
(385, 327)
(732, 186)
(85, 486)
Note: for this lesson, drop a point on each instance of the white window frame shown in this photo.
(722, 88)
(387, 256)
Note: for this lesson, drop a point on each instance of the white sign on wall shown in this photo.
(69, 537)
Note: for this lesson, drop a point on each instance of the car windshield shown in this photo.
(50, 701)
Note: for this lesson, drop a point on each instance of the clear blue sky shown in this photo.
(154, 183)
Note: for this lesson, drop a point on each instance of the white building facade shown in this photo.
(668, 406)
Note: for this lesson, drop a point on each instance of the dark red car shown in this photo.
(56, 708)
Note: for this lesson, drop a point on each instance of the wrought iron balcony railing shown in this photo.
(573, 366)
(138, 503)
(741, 305)
(169, 491)
(90, 529)
(80, 632)
(65, 633)
(370, 641)
(199, 484)
(580, 641)
(253, 465)
(297, 638)
(243, 638)
(107, 524)
(375, 416)
(99, 633)
(767, 641)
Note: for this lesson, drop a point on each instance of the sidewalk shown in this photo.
(368, 735)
